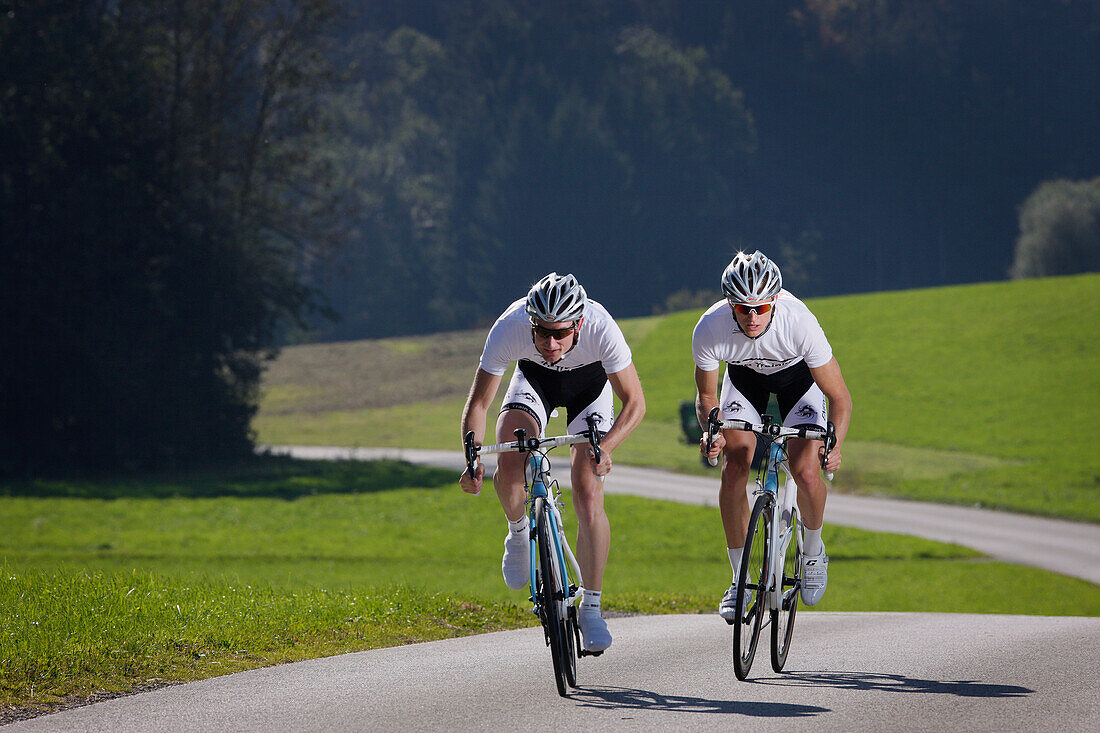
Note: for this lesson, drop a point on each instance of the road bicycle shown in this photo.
(556, 582)
(773, 543)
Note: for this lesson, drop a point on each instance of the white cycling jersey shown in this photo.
(793, 335)
(599, 340)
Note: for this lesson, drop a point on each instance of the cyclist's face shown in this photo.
(554, 338)
(753, 323)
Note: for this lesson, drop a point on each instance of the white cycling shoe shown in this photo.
(594, 634)
(516, 564)
(815, 577)
(727, 609)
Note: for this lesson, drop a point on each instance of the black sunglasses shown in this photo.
(554, 333)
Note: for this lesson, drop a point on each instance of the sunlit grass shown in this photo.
(188, 576)
(960, 395)
(71, 631)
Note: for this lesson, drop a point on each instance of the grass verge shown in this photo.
(960, 396)
(70, 632)
(175, 578)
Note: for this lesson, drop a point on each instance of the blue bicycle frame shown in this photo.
(538, 464)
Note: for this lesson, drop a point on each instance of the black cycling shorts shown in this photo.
(584, 391)
(745, 394)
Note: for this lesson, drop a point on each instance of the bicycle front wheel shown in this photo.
(752, 587)
(572, 644)
(783, 617)
(550, 595)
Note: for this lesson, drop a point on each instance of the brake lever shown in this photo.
(714, 424)
(830, 443)
(594, 437)
(471, 450)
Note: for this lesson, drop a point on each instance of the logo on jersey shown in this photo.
(758, 363)
(806, 412)
(528, 396)
(556, 366)
(734, 406)
(597, 418)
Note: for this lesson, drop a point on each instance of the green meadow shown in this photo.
(973, 394)
(962, 395)
(184, 577)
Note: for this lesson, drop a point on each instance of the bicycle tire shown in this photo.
(752, 596)
(783, 617)
(573, 640)
(572, 635)
(552, 621)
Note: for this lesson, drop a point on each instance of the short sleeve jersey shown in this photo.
(599, 340)
(792, 336)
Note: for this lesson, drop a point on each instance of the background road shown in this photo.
(1070, 548)
(847, 671)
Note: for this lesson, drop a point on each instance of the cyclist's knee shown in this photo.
(738, 459)
(588, 500)
(509, 471)
(589, 509)
(807, 474)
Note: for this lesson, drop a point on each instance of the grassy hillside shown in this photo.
(113, 585)
(970, 394)
(962, 394)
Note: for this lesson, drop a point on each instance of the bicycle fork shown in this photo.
(785, 528)
(560, 548)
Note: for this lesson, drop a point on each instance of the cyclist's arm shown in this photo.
(831, 382)
(482, 392)
(706, 399)
(628, 388)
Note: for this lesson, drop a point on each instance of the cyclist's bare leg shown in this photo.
(732, 499)
(593, 527)
(812, 491)
(508, 479)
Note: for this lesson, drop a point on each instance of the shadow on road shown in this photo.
(882, 682)
(608, 698)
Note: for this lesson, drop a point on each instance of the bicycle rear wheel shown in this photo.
(549, 595)
(752, 583)
(783, 617)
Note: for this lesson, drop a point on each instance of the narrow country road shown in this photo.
(846, 672)
(1069, 548)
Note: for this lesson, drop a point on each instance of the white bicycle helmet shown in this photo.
(751, 278)
(556, 298)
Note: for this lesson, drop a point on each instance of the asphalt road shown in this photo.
(846, 672)
(1070, 548)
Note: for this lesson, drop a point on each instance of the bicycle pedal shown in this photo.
(730, 621)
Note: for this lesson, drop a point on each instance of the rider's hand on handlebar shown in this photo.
(833, 462)
(602, 468)
(715, 447)
(472, 485)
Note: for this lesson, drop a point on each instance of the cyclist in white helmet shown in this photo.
(569, 353)
(771, 344)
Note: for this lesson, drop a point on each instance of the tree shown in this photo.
(157, 193)
(1059, 230)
